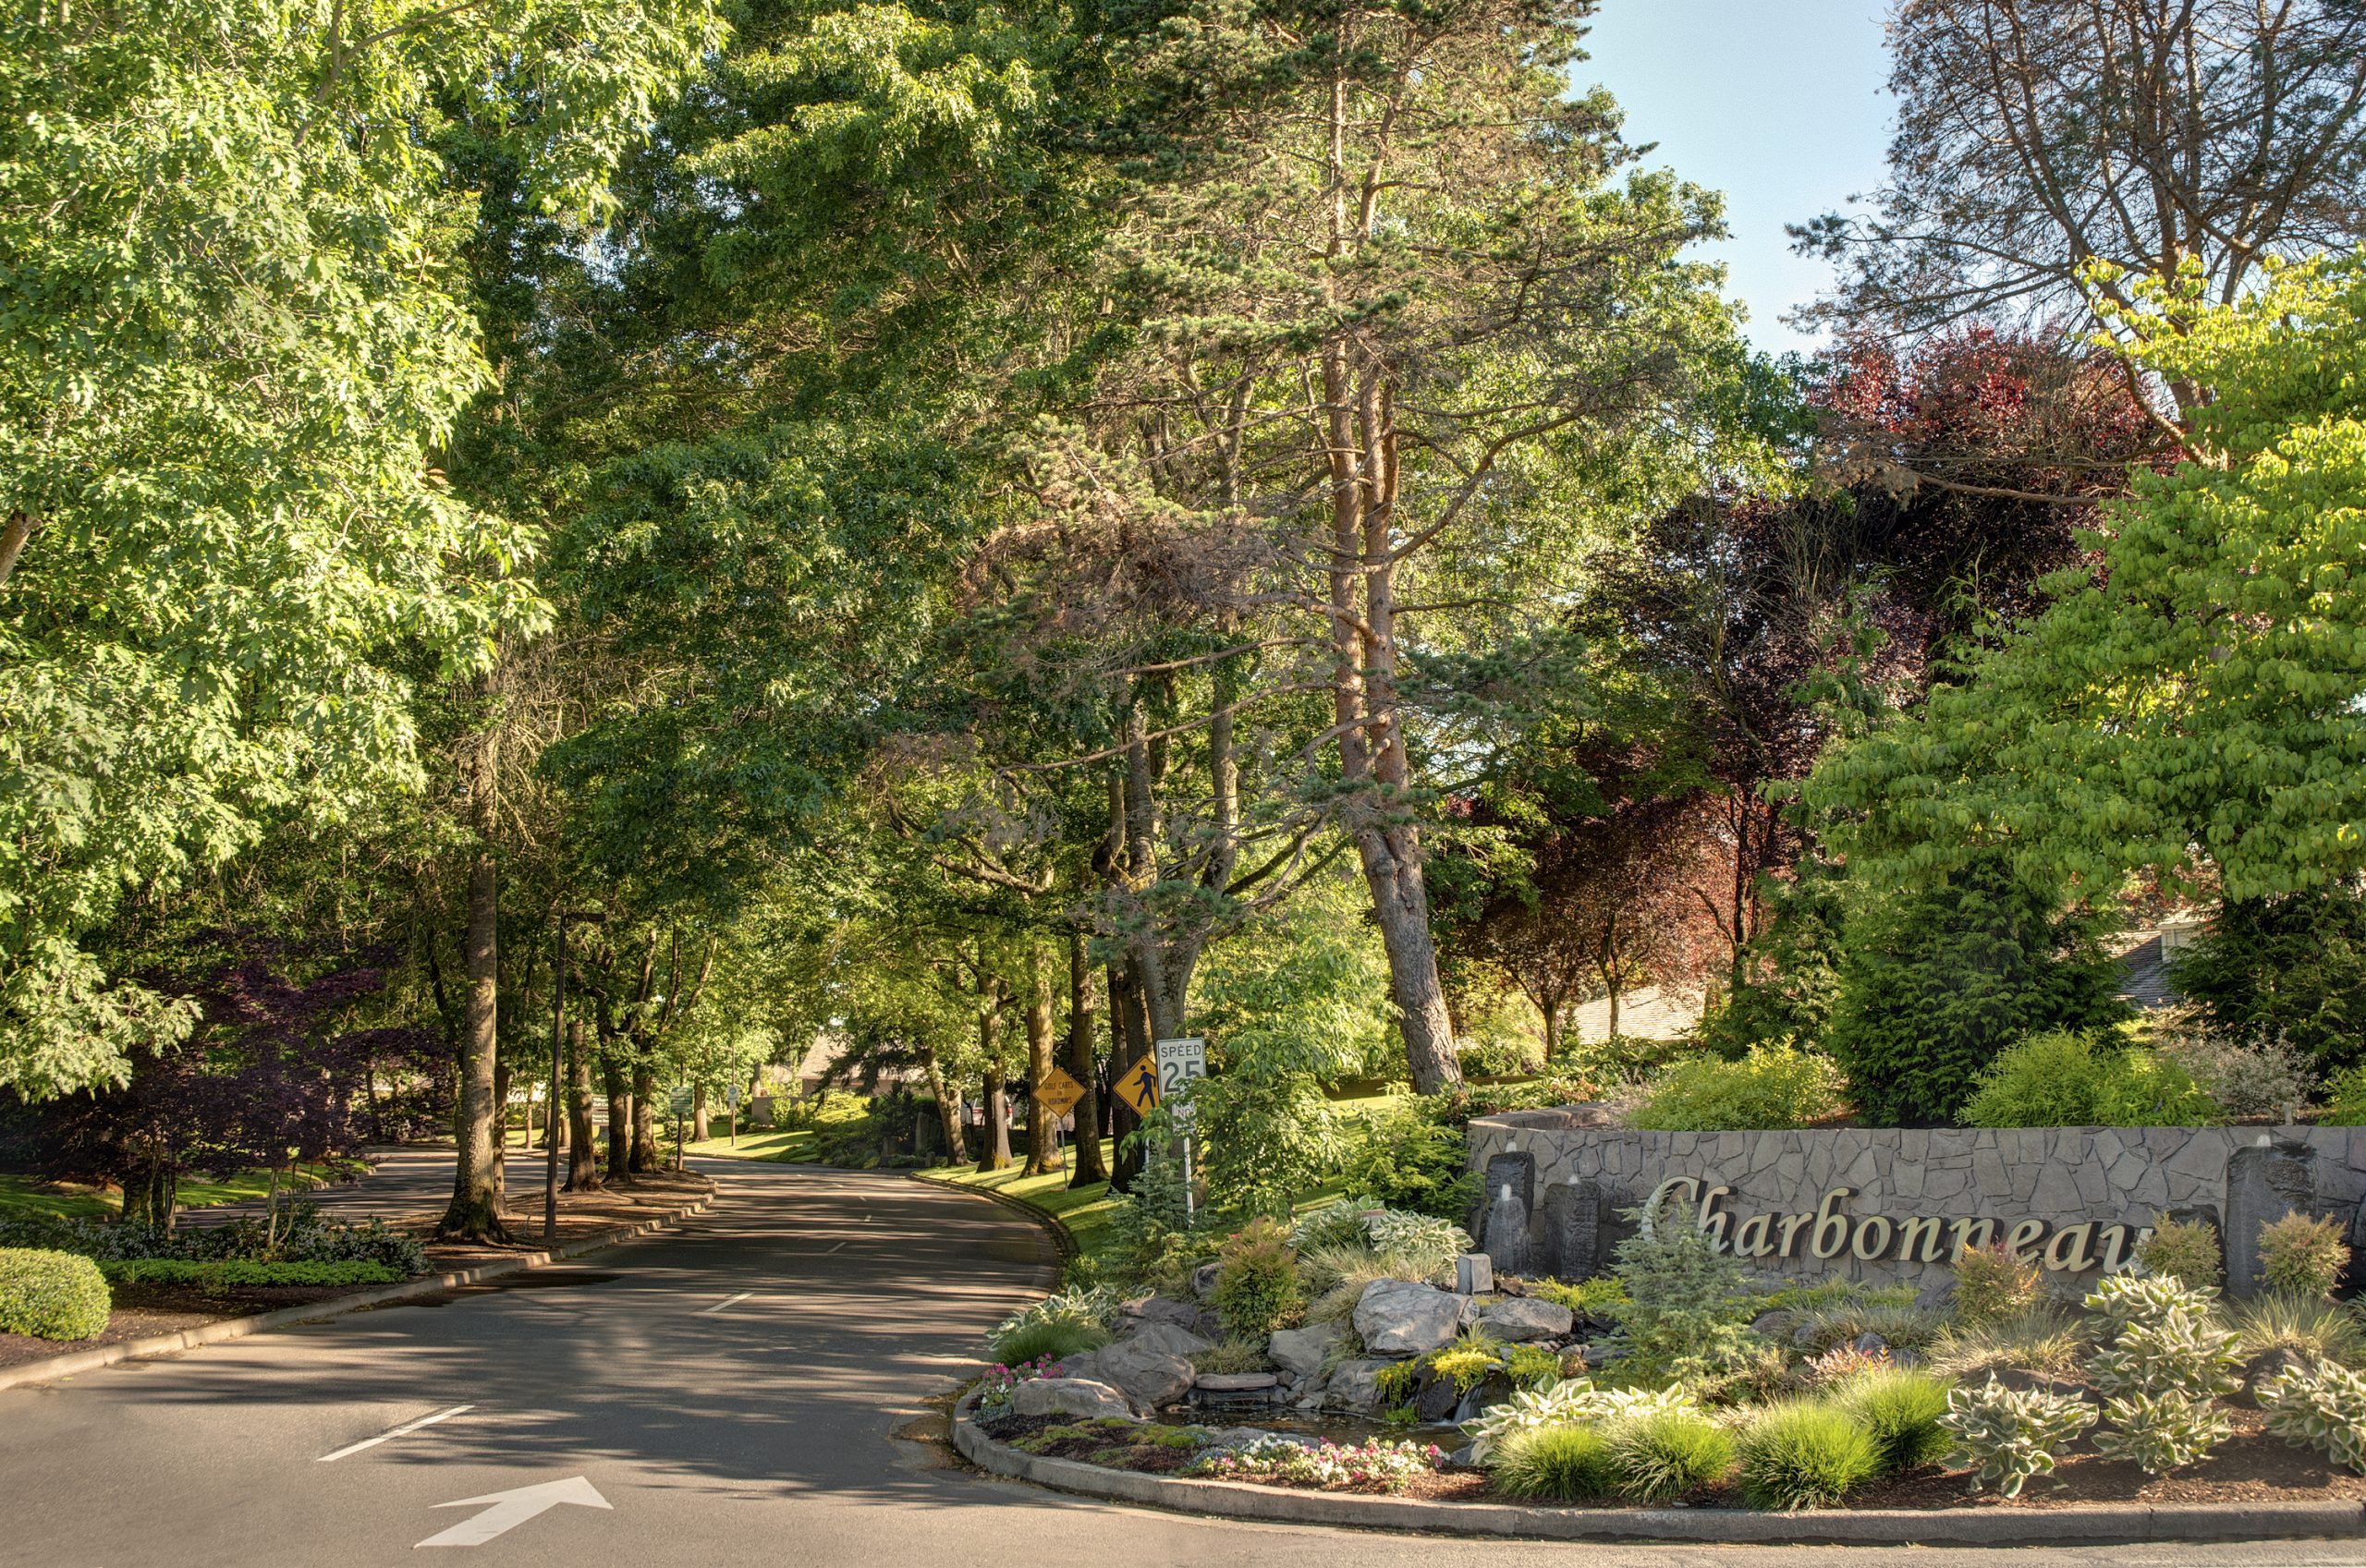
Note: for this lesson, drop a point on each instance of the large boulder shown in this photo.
(1303, 1351)
(1151, 1366)
(1356, 1385)
(1518, 1317)
(1190, 1316)
(1068, 1396)
(1399, 1318)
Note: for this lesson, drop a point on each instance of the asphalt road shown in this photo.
(406, 1181)
(726, 1393)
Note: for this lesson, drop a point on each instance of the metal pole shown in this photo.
(550, 1117)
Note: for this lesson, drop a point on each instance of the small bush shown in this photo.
(1233, 1356)
(1556, 1465)
(2062, 1079)
(2010, 1434)
(2322, 1407)
(1905, 1411)
(1994, 1285)
(1466, 1363)
(1408, 1154)
(1805, 1456)
(1598, 1297)
(2162, 1432)
(2183, 1250)
(2163, 1343)
(2248, 1082)
(1687, 1304)
(51, 1296)
(1774, 1086)
(1663, 1458)
(2302, 1255)
(243, 1271)
(2346, 1100)
(1257, 1286)
(1532, 1365)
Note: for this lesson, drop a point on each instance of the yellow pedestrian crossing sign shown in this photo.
(1137, 1086)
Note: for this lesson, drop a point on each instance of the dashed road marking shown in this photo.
(399, 1431)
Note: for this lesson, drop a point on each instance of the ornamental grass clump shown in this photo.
(51, 1296)
(2302, 1255)
(2038, 1340)
(1905, 1411)
(1556, 1465)
(2321, 1407)
(1257, 1283)
(2008, 1434)
(2308, 1327)
(1666, 1457)
(1805, 1454)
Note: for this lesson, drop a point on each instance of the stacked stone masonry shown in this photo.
(1890, 1205)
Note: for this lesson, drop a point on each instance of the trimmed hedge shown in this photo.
(216, 1274)
(51, 1296)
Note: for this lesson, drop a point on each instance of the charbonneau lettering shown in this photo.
(1829, 1232)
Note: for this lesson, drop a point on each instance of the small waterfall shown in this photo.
(1505, 1241)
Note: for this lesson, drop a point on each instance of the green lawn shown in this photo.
(1085, 1211)
(791, 1148)
(22, 1198)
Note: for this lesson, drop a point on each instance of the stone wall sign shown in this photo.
(1895, 1205)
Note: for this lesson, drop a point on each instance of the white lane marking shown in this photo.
(511, 1509)
(399, 1431)
(728, 1301)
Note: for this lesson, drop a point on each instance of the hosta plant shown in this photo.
(2163, 1345)
(2009, 1435)
(1375, 1463)
(2162, 1432)
(1575, 1401)
(2319, 1405)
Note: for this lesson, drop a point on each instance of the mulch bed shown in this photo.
(2249, 1467)
(144, 1309)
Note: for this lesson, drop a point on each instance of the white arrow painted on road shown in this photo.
(504, 1512)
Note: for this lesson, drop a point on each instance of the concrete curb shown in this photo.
(74, 1363)
(1063, 1239)
(2089, 1524)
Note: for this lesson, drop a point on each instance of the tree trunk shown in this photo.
(697, 1113)
(994, 1154)
(618, 1088)
(1401, 908)
(582, 1159)
(1552, 1032)
(1088, 1164)
(475, 1210)
(645, 1156)
(1129, 1041)
(956, 1148)
(1041, 1125)
(500, 1073)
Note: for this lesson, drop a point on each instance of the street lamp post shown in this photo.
(558, 1036)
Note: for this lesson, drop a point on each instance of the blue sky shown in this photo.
(1777, 104)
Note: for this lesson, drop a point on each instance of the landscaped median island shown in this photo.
(1367, 1352)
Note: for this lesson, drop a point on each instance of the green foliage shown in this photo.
(1408, 1155)
(2321, 1407)
(2271, 1079)
(2287, 971)
(1794, 981)
(1601, 1296)
(1904, 1411)
(1659, 1459)
(1573, 1402)
(2008, 1434)
(1556, 1465)
(241, 329)
(1233, 1356)
(1687, 1304)
(2061, 1079)
(1466, 1363)
(1532, 1366)
(302, 1235)
(1396, 1381)
(2162, 1432)
(1040, 1338)
(1995, 1284)
(1937, 984)
(1257, 1283)
(1265, 1140)
(2200, 690)
(2303, 1255)
(2038, 1340)
(2308, 1326)
(1805, 1454)
(243, 1271)
(1902, 1328)
(2161, 1344)
(1773, 1086)
(51, 1296)
(2184, 1250)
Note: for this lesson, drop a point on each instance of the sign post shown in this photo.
(1056, 1095)
(731, 1104)
(1179, 1063)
